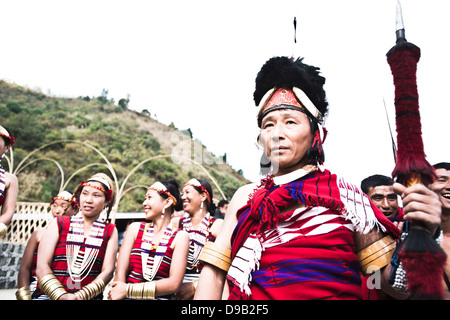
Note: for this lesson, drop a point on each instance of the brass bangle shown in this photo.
(141, 290)
(3, 229)
(216, 256)
(51, 286)
(23, 293)
(134, 290)
(377, 255)
(149, 290)
(128, 291)
(91, 290)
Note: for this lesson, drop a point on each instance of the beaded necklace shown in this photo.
(80, 263)
(149, 267)
(197, 238)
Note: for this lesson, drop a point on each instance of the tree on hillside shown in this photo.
(123, 103)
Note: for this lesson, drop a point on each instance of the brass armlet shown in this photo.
(216, 256)
(141, 290)
(51, 286)
(377, 255)
(23, 293)
(91, 290)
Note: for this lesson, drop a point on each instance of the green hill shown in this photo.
(128, 139)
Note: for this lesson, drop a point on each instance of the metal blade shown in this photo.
(399, 26)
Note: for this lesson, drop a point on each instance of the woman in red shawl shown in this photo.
(154, 252)
(77, 255)
(303, 233)
(63, 204)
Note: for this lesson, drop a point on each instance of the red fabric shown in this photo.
(424, 274)
(282, 96)
(316, 189)
(418, 259)
(317, 267)
(262, 212)
(403, 59)
(135, 274)
(59, 264)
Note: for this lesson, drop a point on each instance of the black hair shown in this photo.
(442, 165)
(284, 72)
(222, 203)
(210, 205)
(315, 152)
(375, 180)
(174, 189)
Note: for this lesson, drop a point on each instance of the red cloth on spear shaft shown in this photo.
(403, 59)
(422, 258)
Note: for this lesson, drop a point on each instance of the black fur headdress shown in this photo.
(284, 72)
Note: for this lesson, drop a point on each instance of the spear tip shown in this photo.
(399, 26)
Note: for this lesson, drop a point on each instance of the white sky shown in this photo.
(194, 63)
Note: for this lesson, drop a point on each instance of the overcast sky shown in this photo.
(194, 63)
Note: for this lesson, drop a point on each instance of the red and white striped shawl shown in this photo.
(317, 237)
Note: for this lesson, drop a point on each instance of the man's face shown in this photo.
(224, 208)
(442, 187)
(286, 137)
(385, 199)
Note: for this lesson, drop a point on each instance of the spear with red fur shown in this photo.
(421, 257)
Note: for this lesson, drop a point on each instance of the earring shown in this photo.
(201, 207)
(162, 214)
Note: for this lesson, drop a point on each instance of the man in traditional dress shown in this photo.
(380, 190)
(303, 233)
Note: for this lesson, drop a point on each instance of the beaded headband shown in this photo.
(161, 189)
(4, 133)
(101, 180)
(108, 193)
(64, 195)
(196, 183)
(276, 99)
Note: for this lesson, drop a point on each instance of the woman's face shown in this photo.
(192, 199)
(92, 200)
(153, 204)
(286, 137)
(3, 147)
(59, 207)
